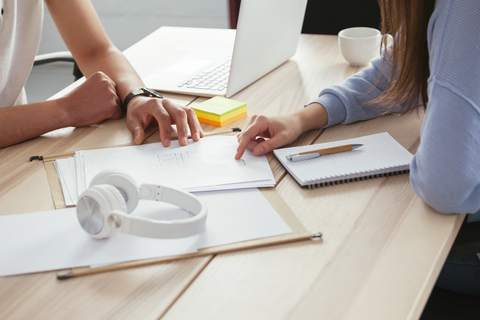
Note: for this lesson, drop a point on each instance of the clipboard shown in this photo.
(298, 233)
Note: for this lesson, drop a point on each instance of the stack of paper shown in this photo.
(67, 175)
(220, 111)
(206, 165)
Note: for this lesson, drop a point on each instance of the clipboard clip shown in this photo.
(317, 236)
(36, 158)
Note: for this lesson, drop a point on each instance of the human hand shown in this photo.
(281, 130)
(143, 110)
(92, 102)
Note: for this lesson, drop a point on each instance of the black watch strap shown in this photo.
(140, 92)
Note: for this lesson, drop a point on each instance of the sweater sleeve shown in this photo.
(445, 172)
(350, 101)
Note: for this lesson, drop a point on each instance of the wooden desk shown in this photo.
(380, 255)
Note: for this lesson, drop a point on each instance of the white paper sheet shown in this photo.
(200, 166)
(53, 240)
(67, 175)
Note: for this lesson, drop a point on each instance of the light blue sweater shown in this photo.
(445, 172)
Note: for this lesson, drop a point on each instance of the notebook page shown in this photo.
(380, 154)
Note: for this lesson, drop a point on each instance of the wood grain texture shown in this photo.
(381, 251)
(140, 293)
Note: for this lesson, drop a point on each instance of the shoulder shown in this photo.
(454, 20)
(453, 39)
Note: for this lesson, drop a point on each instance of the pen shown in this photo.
(321, 152)
(232, 130)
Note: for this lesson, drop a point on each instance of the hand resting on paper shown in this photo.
(264, 134)
(144, 111)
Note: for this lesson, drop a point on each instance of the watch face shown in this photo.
(153, 92)
(89, 215)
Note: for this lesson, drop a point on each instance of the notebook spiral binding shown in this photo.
(331, 183)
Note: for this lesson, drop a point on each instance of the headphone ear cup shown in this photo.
(125, 184)
(113, 197)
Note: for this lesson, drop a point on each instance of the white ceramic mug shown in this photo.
(359, 45)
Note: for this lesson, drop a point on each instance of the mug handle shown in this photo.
(389, 39)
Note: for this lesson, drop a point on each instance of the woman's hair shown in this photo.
(407, 21)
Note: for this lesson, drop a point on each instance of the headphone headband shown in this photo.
(168, 229)
(104, 206)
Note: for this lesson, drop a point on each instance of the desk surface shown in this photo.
(381, 251)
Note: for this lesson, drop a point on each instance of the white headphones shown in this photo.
(103, 209)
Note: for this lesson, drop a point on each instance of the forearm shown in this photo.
(114, 64)
(350, 101)
(93, 101)
(28, 121)
(84, 35)
(313, 116)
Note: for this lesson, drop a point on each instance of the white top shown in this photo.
(20, 33)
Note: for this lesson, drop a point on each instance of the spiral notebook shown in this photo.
(380, 155)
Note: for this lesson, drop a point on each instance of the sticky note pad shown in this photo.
(219, 111)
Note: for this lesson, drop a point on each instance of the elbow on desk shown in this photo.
(446, 192)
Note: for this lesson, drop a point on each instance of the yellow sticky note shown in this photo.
(220, 111)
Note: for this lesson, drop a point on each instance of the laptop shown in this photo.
(266, 37)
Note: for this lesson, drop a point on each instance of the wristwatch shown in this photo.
(140, 92)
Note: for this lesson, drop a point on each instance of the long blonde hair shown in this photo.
(407, 21)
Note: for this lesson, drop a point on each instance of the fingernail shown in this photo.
(184, 141)
(259, 150)
(167, 142)
(196, 136)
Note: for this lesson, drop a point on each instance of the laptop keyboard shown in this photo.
(214, 78)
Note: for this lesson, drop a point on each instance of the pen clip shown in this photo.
(298, 157)
(317, 236)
